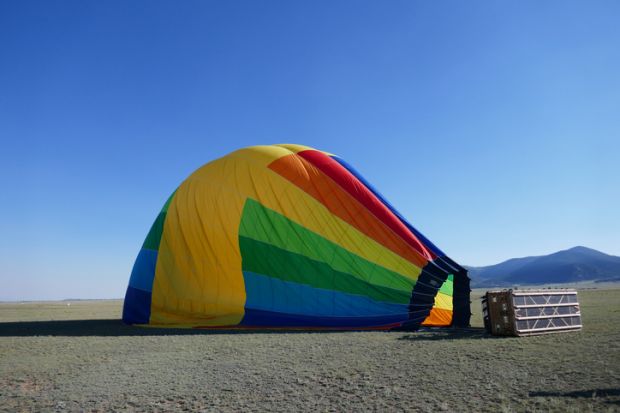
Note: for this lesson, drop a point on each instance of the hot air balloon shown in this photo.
(286, 236)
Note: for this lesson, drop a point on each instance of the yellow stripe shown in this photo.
(443, 301)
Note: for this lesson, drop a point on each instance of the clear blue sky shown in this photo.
(493, 126)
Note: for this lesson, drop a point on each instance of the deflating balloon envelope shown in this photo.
(286, 236)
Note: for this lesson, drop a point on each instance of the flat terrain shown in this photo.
(55, 357)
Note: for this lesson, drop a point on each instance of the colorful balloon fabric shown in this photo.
(286, 236)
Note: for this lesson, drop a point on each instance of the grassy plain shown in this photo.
(55, 357)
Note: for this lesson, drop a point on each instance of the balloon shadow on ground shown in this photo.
(116, 328)
(437, 333)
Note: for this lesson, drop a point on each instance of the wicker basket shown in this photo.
(530, 312)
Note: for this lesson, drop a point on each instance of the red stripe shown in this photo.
(364, 196)
(339, 202)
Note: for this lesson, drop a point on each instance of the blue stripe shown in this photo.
(274, 295)
(260, 318)
(421, 237)
(143, 271)
(137, 306)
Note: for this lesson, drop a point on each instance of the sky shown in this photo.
(494, 127)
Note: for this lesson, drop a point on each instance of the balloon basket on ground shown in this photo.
(531, 312)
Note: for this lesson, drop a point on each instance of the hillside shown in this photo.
(567, 266)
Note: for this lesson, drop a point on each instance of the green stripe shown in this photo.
(168, 202)
(153, 238)
(262, 258)
(263, 224)
(447, 286)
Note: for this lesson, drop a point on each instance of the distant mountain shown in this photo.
(568, 266)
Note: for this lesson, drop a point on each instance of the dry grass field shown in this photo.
(55, 357)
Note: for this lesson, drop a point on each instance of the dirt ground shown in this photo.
(80, 357)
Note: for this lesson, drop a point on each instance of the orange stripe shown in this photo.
(315, 183)
(354, 187)
(438, 318)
